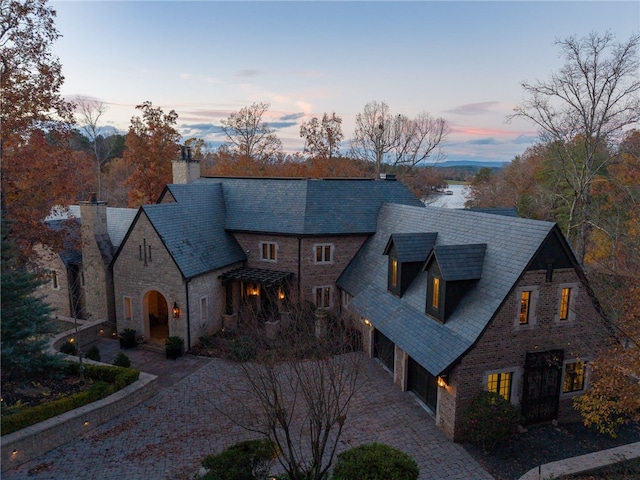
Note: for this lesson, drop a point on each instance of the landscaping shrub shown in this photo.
(249, 460)
(107, 381)
(375, 461)
(242, 350)
(69, 348)
(93, 353)
(122, 360)
(490, 420)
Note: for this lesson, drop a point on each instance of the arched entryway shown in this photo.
(157, 315)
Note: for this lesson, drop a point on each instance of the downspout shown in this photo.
(299, 267)
(188, 316)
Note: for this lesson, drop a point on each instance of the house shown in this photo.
(451, 302)
(454, 302)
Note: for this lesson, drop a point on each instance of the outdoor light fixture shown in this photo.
(86, 423)
(71, 340)
(280, 294)
(14, 452)
(175, 310)
(367, 322)
(442, 381)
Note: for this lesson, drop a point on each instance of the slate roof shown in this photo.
(460, 262)
(192, 229)
(510, 245)
(506, 211)
(411, 247)
(304, 206)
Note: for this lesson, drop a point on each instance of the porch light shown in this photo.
(253, 290)
(175, 310)
(442, 381)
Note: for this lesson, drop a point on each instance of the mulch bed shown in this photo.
(545, 444)
(41, 390)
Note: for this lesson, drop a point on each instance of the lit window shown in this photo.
(525, 306)
(54, 280)
(574, 377)
(500, 383)
(323, 253)
(268, 251)
(127, 308)
(565, 298)
(394, 273)
(322, 296)
(435, 295)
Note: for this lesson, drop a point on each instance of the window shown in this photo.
(565, 296)
(525, 306)
(127, 308)
(323, 253)
(268, 251)
(346, 298)
(574, 376)
(394, 273)
(435, 294)
(500, 383)
(322, 296)
(54, 280)
(203, 309)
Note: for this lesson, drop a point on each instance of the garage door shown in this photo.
(423, 384)
(384, 349)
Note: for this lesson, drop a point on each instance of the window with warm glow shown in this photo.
(323, 253)
(127, 308)
(574, 374)
(435, 294)
(565, 299)
(394, 273)
(268, 251)
(500, 383)
(322, 296)
(525, 306)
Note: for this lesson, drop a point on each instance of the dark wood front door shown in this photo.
(542, 382)
(423, 384)
(384, 349)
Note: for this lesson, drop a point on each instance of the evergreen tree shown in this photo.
(26, 322)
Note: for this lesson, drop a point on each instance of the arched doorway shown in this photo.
(157, 311)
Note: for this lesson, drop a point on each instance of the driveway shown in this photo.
(167, 436)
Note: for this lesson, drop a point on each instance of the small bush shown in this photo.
(69, 348)
(93, 353)
(242, 350)
(122, 360)
(490, 420)
(375, 461)
(249, 460)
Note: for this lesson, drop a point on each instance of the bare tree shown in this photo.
(249, 137)
(322, 137)
(102, 148)
(297, 393)
(581, 111)
(401, 141)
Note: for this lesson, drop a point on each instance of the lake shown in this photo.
(448, 201)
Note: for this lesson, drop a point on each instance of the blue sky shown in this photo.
(463, 61)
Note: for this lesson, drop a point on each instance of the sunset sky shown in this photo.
(463, 61)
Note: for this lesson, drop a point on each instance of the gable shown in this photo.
(459, 262)
(410, 247)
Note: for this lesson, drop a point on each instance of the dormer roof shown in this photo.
(411, 247)
(459, 262)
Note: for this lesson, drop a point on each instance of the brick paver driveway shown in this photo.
(167, 436)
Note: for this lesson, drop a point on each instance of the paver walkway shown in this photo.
(167, 436)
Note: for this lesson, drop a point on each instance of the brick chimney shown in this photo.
(185, 168)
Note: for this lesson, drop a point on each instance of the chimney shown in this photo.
(389, 177)
(185, 168)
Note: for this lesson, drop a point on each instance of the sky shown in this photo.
(462, 61)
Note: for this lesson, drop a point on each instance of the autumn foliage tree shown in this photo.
(322, 137)
(152, 144)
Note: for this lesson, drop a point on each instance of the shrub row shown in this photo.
(107, 381)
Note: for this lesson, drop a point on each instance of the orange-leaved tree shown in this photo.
(152, 143)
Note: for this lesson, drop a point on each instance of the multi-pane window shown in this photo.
(435, 292)
(268, 251)
(525, 307)
(127, 308)
(500, 383)
(322, 296)
(323, 253)
(394, 273)
(565, 301)
(574, 374)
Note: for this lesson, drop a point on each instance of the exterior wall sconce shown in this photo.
(14, 452)
(175, 311)
(253, 290)
(281, 294)
(442, 380)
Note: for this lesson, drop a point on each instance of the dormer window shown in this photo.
(451, 271)
(407, 253)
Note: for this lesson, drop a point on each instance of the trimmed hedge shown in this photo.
(375, 461)
(107, 379)
(490, 420)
